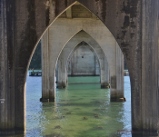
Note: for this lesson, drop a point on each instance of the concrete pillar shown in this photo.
(45, 69)
(120, 71)
(68, 51)
(117, 81)
(62, 72)
(52, 9)
(104, 71)
(7, 97)
(144, 72)
(53, 55)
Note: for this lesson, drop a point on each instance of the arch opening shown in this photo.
(83, 61)
(72, 45)
(63, 46)
(130, 22)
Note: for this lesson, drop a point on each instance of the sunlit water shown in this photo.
(80, 110)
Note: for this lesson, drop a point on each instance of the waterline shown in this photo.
(80, 110)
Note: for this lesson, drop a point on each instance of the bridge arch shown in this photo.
(71, 47)
(103, 37)
(134, 26)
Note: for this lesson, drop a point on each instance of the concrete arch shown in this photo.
(93, 62)
(71, 46)
(134, 26)
(103, 37)
(72, 56)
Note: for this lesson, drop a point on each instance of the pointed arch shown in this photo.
(29, 22)
(86, 50)
(65, 29)
(71, 46)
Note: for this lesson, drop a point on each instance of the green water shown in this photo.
(80, 110)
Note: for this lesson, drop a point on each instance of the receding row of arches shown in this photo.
(63, 37)
(133, 24)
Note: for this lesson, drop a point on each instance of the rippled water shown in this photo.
(80, 110)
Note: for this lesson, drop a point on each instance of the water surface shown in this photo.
(80, 110)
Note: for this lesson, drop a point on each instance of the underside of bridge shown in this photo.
(62, 38)
(133, 23)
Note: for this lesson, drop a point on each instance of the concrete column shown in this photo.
(68, 51)
(52, 9)
(120, 71)
(117, 81)
(53, 54)
(45, 68)
(104, 71)
(144, 72)
(62, 72)
(7, 97)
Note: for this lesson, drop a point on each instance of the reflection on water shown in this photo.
(80, 110)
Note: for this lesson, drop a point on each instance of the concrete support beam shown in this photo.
(69, 13)
(46, 70)
(71, 47)
(7, 96)
(117, 81)
(48, 84)
(144, 77)
(52, 9)
(62, 72)
(104, 70)
(133, 23)
(54, 50)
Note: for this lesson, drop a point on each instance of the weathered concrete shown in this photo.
(71, 46)
(60, 29)
(7, 105)
(45, 70)
(117, 81)
(134, 25)
(83, 61)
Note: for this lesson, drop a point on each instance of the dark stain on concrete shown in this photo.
(10, 29)
(61, 85)
(66, 3)
(1, 8)
(130, 7)
(125, 49)
(133, 8)
(113, 82)
(132, 35)
(126, 7)
(132, 24)
(47, 12)
(103, 9)
(126, 22)
(123, 34)
(124, 44)
(29, 35)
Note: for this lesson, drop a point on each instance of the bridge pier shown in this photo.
(68, 51)
(114, 57)
(117, 81)
(62, 72)
(143, 67)
(7, 101)
(134, 25)
(48, 87)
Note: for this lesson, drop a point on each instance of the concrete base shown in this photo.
(144, 133)
(105, 85)
(117, 99)
(117, 95)
(61, 85)
(12, 132)
(47, 99)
